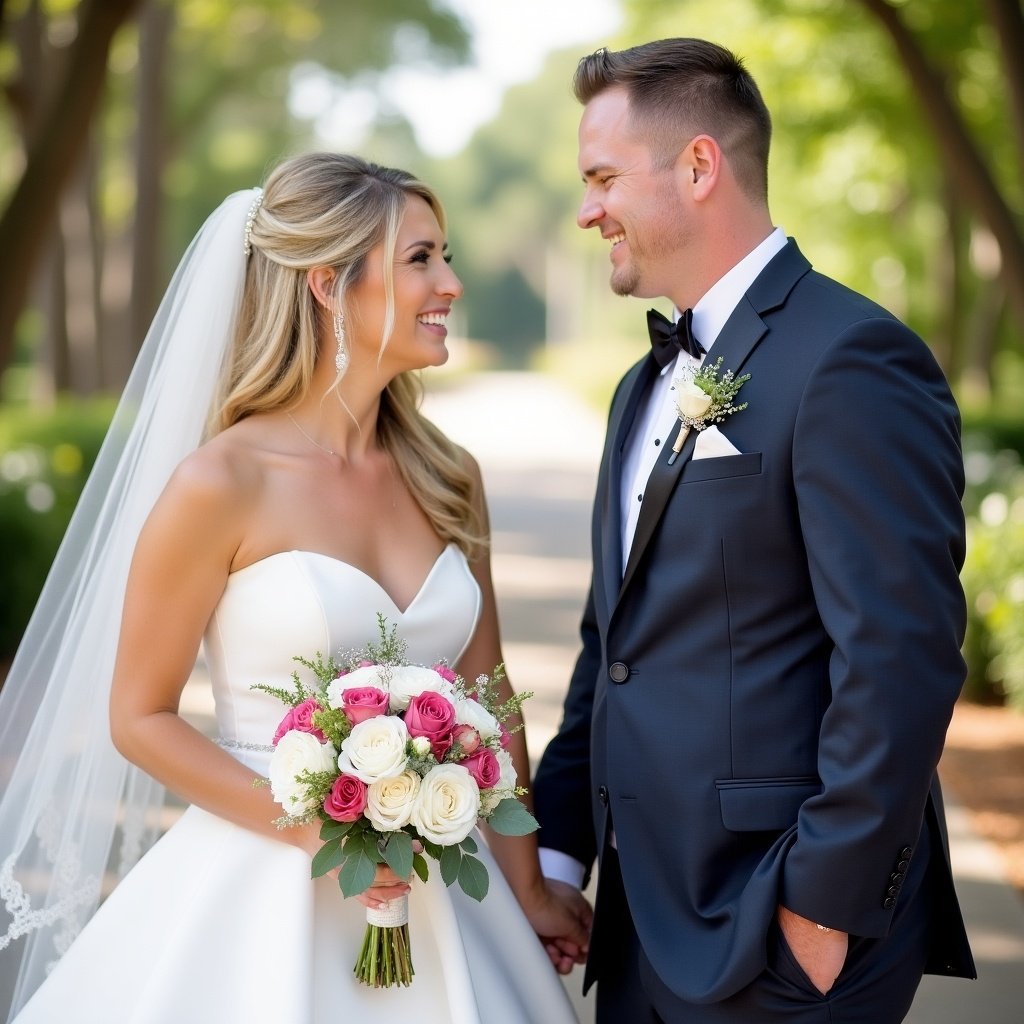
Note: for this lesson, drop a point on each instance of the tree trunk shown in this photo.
(155, 23)
(52, 157)
(958, 152)
(1007, 19)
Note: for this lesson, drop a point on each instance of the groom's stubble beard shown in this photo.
(663, 238)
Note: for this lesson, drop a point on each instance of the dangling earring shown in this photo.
(341, 359)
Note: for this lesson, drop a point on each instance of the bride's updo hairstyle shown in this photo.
(331, 209)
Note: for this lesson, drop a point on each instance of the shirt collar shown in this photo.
(717, 304)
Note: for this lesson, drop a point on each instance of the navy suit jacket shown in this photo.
(761, 701)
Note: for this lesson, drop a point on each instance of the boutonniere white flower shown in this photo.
(703, 398)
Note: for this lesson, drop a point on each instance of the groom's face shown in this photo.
(634, 204)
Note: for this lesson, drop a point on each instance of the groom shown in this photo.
(771, 645)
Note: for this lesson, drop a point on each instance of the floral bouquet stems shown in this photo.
(385, 958)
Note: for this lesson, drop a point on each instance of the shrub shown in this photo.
(44, 462)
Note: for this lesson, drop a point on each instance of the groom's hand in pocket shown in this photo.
(561, 917)
(820, 953)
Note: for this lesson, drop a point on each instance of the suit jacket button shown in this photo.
(893, 890)
(889, 902)
(906, 852)
(896, 877)
(618, 671)
(602, 795)
(903, 865)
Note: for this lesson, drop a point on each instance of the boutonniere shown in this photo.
(703, 398)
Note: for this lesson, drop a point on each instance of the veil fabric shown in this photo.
(74, 814)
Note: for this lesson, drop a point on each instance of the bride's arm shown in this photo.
(517, 855)
(178, 573)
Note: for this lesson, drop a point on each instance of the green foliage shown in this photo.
(993, 574)
(511, 818)
(45, 459)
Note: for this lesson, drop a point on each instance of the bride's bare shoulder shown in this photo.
(222, 477)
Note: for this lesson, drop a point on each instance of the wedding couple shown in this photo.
(770, 647)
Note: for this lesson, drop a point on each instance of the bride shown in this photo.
(318, 498)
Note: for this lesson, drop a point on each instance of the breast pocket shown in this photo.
(764, 805)
(722, 468)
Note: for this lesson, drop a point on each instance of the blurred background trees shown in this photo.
(899, 146)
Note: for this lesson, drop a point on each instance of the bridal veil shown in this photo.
(74, 814)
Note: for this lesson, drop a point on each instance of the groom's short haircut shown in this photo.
(679, 88)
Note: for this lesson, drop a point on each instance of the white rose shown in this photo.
(390, 802)
(408, 681)
(691, 401)
(447, 806)
(368, 675)
(375, 749)
(471, 712)
(421, 745)
(506, 787)
(295, 753)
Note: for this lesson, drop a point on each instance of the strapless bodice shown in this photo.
(300, 603)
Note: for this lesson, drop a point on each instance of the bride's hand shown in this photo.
(561, 916)
(386, 886)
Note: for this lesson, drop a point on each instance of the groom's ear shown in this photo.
(321, 284)
(701, 166)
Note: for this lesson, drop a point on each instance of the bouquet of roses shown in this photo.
(388, 755)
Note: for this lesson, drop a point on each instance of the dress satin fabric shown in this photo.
(216, 924)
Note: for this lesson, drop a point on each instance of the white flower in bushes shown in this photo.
(447, 806)
(408, 681)
(390, 802)
(375, 749)
(506, 787)
(295, 753)
(469, 712)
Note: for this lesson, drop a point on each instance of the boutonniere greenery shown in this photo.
(703, 398)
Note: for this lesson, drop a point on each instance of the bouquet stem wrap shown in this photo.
(385, 958)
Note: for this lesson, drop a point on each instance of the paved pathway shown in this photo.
(538, 447)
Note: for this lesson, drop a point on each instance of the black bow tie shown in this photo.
(668, 339)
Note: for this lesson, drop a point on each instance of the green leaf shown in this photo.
(357, 873)
(419, 865)
(469, 845)
(451, 859)
(328, 857)
(398, 854)
(334, 829)
(511, 818)
(432, 849)
(473, 878)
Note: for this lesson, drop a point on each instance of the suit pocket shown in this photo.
(764, 805)
(722, 468)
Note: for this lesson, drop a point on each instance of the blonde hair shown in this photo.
(331, 209)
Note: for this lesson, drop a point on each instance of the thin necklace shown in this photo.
(298, 427)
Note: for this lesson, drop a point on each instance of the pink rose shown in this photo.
(362, 702)
(467, 737)
(346, 799)
(445, 672)
(300, 718)
(484, 768)
(504, 736)
(432, 715)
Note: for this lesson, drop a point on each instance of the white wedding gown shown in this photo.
(216, 925)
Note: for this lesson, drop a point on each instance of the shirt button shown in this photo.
(657, 441)
(639, 497)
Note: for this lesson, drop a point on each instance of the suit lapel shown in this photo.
(623, 414)
(738, 338)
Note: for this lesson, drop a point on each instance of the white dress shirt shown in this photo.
(656, 425)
